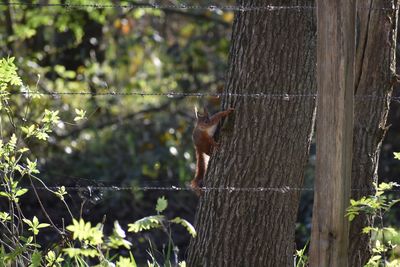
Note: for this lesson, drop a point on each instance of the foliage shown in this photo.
(80, 51)
(157, 221)
(111, 140)
(160, 221)
(17, 245)
(82, 243)
(301, 258)
(384, 239)
(378, 204)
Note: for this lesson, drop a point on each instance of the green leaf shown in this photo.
(12, 143)
(28, 222)
(376, 258)
(76, 252)
(35, 221)
(80, 114)
(8, 74)
(126, 262)
(146, 223)
(118, 230)
(20, 192)
(85, 232)
(32, 166)
(29, 131)
(4, 216)
(162, 204)
(42, 136)
(61, 192)
(385, 186)
(50, 116)
(52, 259)
(117, 240)
(36, 259)
(189, 227)
(391, 230)
(368, 229)
(35, 225)
(43, 225)
(4, 194)
(23, 150)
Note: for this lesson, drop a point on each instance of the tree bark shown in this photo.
(264, 143)
(336, 43)
(9, 28)
(375, 73)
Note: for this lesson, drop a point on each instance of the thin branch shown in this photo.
(43, 209)
(51, 191)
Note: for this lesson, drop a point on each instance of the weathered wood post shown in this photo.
(336, 37)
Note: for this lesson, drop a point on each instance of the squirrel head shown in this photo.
(202, 118)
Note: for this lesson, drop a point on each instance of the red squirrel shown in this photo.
(204, 143)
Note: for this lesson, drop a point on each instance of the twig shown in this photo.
(43, 209)
(48, 189)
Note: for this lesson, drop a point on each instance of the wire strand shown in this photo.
(238, 8)
(173, 94)
(143, 5)
(283, 189)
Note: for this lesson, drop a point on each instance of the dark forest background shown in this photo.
(129, 141)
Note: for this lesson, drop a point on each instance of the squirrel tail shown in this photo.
(200, 170)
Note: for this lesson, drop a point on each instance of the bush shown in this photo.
(81, 243)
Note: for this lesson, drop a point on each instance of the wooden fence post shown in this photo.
(336, 37)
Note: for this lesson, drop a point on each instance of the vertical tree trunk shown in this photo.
(9, 27)
(264, 143)
(375, 73)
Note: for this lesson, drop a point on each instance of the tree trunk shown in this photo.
(375, 73)
(264, 143)
(9, 28)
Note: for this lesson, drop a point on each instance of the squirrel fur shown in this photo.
(204, 143)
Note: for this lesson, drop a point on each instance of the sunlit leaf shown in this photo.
(162, 204)
(189, 227)
(146, 223)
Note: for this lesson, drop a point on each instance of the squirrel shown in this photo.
(204, 142)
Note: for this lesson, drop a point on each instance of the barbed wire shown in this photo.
(238, 8)
(283, 189)
(230, 189)
(171, 94)
(93, 5)
(193, 94)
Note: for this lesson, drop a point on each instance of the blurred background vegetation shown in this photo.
(128, 140)
(125, 140)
